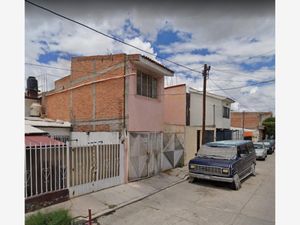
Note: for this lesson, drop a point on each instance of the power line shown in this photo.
(233, 81)
(262, 82)
(230, 72)
(59, 68)
(53, 67)
(45, 74)
(109, 36)
(250, 57)
(263, 54)
(231, 96)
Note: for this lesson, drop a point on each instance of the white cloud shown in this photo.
(223, 30)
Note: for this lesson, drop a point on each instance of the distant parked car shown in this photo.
(269, 147)
(226, 161)
(272, 143)
(260, 150)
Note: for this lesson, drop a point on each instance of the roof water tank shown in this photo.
(32, 87)
(32, 84)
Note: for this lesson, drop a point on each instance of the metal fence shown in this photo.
(81, 169)
(94, 167)
(45, 169)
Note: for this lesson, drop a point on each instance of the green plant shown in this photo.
(269, 124)
(58, 217)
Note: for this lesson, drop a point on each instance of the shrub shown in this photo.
(58, 217)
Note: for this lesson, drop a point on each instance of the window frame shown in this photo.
(144, 82)
(226, 112)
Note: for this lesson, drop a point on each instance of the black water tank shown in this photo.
(32, 84)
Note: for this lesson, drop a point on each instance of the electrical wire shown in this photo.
(235, 73)
(251, 57)
(130, 45)
(238, 101)
(109, 36)
(249, 85)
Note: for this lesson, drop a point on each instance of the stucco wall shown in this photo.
(190, 140)
(145, 114)
(196, 111)
(175, 105)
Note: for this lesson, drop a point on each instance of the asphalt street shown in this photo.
(207, 203)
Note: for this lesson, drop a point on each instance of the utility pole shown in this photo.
(205, 76)
(243, 123)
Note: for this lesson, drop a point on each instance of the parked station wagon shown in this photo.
(227, 161)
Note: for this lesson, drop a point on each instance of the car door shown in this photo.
(240, 163)
(251, 158)
(244, 160)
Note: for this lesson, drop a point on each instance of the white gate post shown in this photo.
(161, 150)
(122, 159)
(97, 161)
(68, 165)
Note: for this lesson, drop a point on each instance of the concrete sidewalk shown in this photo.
(108, 200)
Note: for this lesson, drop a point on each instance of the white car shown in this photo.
(261, 150)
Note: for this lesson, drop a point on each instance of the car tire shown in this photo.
(236, 184)
(191, 179)
(253, 169)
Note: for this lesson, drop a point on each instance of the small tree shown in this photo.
(269, 124)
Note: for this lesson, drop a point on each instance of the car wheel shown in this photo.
(253, 169)
(236, 184)
(191, 179)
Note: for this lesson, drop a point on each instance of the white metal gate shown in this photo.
(173, 148)
(144, 155)
(94, 167)
(80, 168)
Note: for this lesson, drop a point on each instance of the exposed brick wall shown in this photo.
(98, 101)
(82, 103)
(63, 83)
(82, 128)
(252, 120)
(110, 98)
(104, 127)
(57, 106)
(92, 96)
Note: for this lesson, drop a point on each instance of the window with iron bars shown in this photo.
(146, 85)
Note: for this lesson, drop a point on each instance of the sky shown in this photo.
(236, 38)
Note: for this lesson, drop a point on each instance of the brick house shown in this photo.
(251, 122)
(115, 93)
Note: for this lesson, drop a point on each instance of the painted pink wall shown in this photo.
(175, 105)
(145, 114)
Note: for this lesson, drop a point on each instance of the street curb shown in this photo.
(108, 211)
